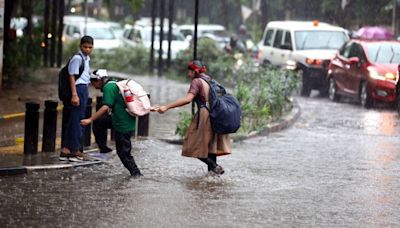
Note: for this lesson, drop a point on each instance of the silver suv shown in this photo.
(303, 46)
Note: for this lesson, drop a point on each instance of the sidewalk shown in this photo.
(162, 127)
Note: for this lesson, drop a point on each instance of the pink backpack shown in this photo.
(136, 99)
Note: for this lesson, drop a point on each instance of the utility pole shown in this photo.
(161, 38)
(394, 20)
(196, 22)
(153, 22)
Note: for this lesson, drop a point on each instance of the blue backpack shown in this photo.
(225, 112)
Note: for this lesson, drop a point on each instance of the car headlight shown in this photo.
(378, 76)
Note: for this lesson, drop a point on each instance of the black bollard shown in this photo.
(87, 130)
(143, 125)
(49, 126)
(31, 134)
(99, 103)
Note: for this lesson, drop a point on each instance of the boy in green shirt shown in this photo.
(123, 123)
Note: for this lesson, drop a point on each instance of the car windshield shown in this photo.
(383, 52)
(220, 33)
(177, 36)
(306, 40)
(101, 33)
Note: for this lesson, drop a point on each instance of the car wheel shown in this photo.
(304, 86)
(332, 93)
(365, 98)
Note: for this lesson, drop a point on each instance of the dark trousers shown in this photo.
(74, 130)
(100, 127)
(124, 147)
(211, 161)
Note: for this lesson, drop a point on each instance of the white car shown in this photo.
(104, 37)
(215, 32)
(303, 46)
(141, 35)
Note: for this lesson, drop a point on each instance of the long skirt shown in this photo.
(200, 140)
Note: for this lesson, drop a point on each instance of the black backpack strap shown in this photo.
(82, 66)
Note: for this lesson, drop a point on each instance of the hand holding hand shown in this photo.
(85, 122)
(162, 109)
(154, 108)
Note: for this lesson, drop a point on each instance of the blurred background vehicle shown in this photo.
(103, 35)
(374, 33)
(215, 32)
(367, 70)
(305, 47)
(141, 35)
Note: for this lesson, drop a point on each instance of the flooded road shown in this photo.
(337, 166)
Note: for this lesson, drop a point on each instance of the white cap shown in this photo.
(99, 74)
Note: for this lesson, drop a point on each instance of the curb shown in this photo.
(283, 123)
(28, 169)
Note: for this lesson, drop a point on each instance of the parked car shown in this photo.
(215, 32)
(104, 37)
(141, 35)
(303, 46)
(367, 70)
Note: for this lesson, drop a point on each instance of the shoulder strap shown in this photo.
(82, 66)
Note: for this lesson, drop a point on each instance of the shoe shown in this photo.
(76, 157)
(136, 173)
(218, 170)
(107, 150)
(65, 156)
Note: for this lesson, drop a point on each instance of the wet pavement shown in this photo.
(337, 166)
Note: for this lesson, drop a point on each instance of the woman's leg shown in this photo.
(209, 162)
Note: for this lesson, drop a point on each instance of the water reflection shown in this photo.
(376, 122)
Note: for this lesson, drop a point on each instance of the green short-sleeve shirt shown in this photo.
(121, 120)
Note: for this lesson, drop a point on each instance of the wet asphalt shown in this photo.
(337, 166)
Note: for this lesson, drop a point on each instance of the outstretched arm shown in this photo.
(180, 102)
(95, 116)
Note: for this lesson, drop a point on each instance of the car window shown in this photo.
(383, 52)
(288, 39)
(306, 40)
(127, 33)
(268, 37)
(278, 38)
(71, 30)
(102, 33)
(186, 32)
(345, 52)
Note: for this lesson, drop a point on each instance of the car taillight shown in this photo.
(314, 61)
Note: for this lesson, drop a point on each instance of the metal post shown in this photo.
(161, 38)
(153, 19)
(61, 8)
(31, 134)
(87, 131)
(170, 22)
(196, 22)
(53, 32)
(49, 126)
(46, 32)
(99, 103)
